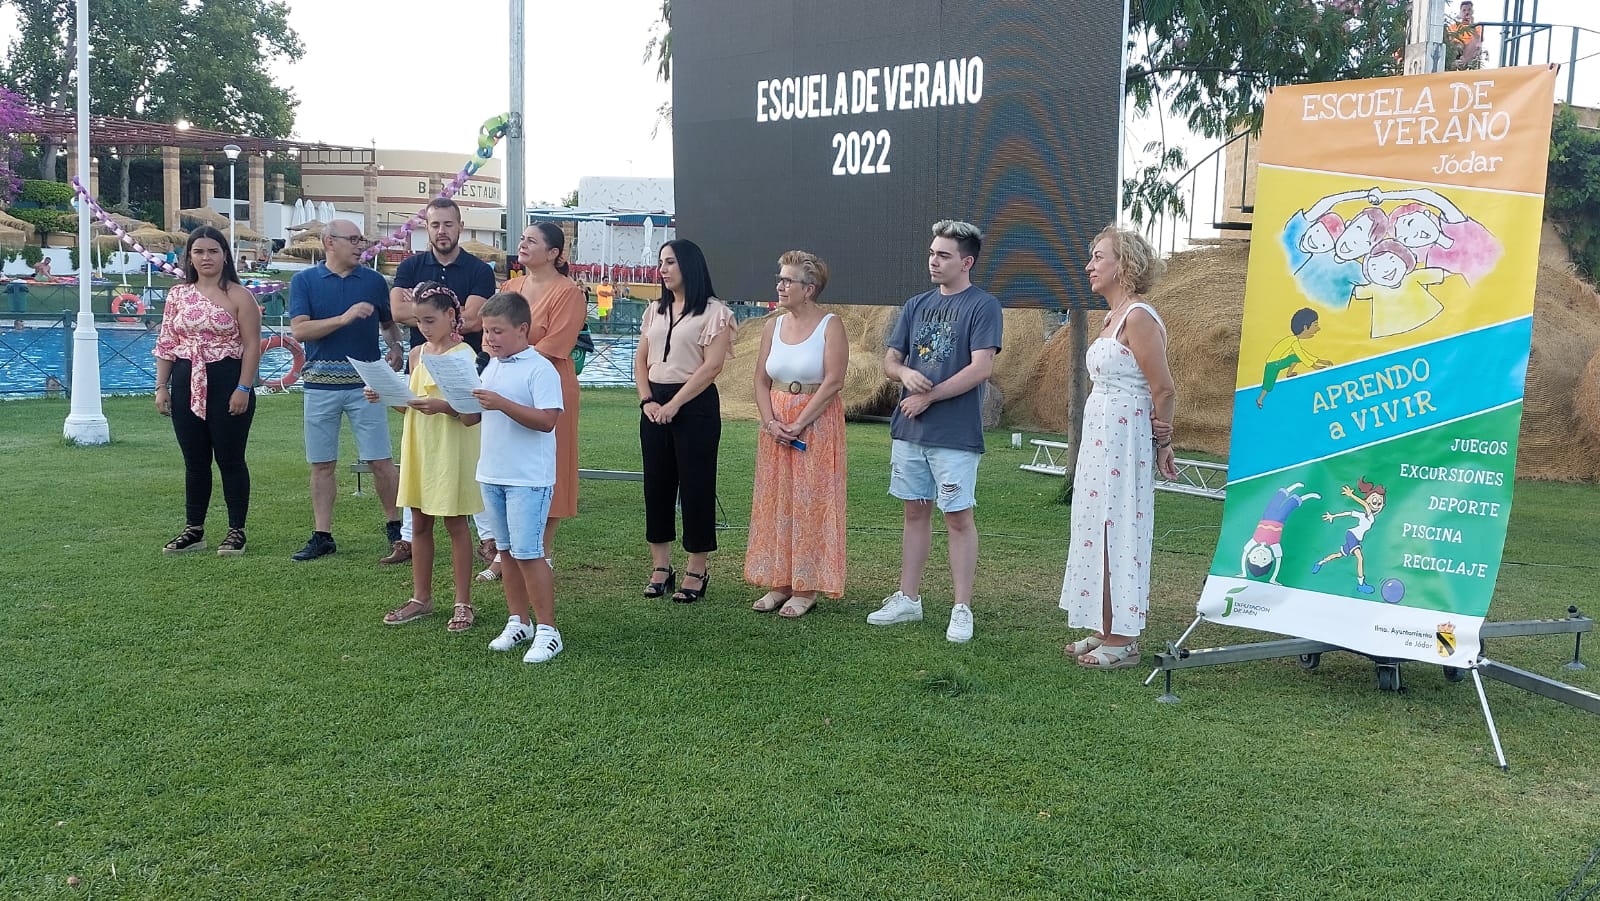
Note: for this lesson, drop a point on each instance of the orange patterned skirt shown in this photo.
(797, 514)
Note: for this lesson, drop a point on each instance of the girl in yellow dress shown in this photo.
(438, 463)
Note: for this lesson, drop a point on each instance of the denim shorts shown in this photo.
(515, 516)
(944, 475)
(369, 423)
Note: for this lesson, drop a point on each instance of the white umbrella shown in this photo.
(299, 212)
(326, 212)
(649, 238)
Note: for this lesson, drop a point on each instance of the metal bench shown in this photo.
(1045, 457)
(1196, 477)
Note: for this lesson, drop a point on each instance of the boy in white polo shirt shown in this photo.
(521, 398)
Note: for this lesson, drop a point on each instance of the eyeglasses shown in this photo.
(786, 282)
(355, 240)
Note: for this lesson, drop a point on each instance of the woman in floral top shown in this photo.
(206, 358)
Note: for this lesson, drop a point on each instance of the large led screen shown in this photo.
(847, 127)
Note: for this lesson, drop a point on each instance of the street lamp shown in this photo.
(232, 150)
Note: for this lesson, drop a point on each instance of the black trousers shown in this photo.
(221, 436)
(680, 469)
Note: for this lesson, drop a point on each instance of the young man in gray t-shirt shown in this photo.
(941, 351)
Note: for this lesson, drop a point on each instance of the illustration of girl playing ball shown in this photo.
(1371, 497)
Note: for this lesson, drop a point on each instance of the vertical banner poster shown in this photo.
(1387, 320)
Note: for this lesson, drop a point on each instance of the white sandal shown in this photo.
(488, 575)
(1113, 657)
(1082, 646)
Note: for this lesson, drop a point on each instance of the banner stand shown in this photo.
(1310, 653)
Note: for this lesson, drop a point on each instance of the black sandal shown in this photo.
(657, 589)
(233, 545)
(192, 539)
(690, 595)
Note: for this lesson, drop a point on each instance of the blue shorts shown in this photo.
(515, 515)
(369, 423)
(946, 476)
(1351, 544)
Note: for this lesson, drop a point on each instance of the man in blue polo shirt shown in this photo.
(469, 277)
(336, 309)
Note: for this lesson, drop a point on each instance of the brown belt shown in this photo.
(797, 387)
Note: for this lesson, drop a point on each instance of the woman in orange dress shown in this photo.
(558, 309)
(796, 543)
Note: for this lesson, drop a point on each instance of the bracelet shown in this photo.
(1160, 446)
(648, 400)
(244, 388)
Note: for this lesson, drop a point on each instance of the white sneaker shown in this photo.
(515, 633)
(546, 644)
(897, 608)
(960, 624)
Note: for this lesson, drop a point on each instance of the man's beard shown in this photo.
(454, 243)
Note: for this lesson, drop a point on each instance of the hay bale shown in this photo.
(1566, 336)
(1586, 404)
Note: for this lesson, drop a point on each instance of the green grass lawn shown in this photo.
(194, 727)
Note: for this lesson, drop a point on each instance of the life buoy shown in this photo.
(129, 307)
(296, 352)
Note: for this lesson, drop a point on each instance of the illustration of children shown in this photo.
(1371, 497)
(1263, 553)
(1398, 290)
(1324, 250)
(1290, 352)
(1446, 239)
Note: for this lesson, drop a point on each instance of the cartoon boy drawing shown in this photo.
(1264, 551)
(1290, 352)
(1398, 290)
(1371, 498)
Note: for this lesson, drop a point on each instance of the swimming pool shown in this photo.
(36, 361)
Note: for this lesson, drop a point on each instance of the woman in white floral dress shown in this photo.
(1127, 436)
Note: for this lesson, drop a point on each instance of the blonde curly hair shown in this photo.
(1138, 264)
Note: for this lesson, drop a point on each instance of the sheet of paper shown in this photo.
(392, 387)
(456, 375)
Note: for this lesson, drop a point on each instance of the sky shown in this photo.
(424, 75)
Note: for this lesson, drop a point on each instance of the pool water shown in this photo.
(34, 361)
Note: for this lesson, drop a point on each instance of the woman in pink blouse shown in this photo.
(206, 357)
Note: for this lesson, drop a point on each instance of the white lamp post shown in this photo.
(232, 150)
(86, 422)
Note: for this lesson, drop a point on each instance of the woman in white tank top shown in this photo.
(796, 543)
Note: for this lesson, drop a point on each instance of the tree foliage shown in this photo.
(1572, 195)
(1213, 61)
(15, 121)
(161, 60)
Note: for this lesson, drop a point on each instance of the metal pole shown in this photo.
(516, 151)
(1572, 64)
(1494, 734)
(233, 206)
(86, 422)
